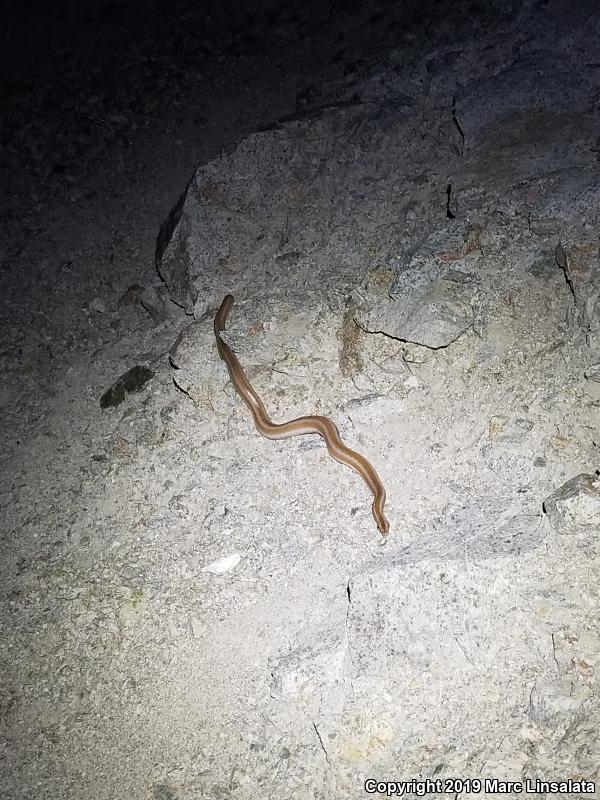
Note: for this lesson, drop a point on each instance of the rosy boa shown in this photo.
(325, 427)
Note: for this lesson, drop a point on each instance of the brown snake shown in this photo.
(325, 427)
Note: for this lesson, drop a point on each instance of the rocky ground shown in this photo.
(404, 201)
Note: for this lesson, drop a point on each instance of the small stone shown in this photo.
(98, 304)
(593, 373)
(503, 429)
(497, 423)
(131, 381)
(575, 505)
(197, 627)
(223, 565)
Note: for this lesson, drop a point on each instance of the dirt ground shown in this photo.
(135, 662)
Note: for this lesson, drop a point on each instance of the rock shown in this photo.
(529, 84)
(98, 304)
(592, 373)
(575, 506)
(223, 565)
(151, 298)
(434, 316)
(503, 429)
(270, 196)
(314, 677)
(130, 382)
(154, 303)
(578, 255)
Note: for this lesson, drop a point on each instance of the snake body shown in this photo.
(325, 427)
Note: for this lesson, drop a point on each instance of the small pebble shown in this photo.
(223, 565)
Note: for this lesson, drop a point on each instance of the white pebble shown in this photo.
(223, 565)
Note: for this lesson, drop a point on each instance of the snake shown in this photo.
(323, 426)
